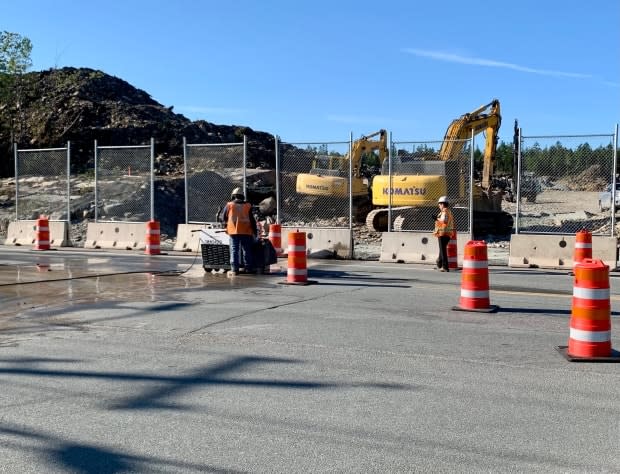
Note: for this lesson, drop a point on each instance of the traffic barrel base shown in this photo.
(613, 357)
(475, 280)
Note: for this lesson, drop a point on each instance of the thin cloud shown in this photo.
(612, 84)
(211, 110)
(455, 58)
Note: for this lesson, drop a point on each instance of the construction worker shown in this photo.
(444, 228)
(241, 227)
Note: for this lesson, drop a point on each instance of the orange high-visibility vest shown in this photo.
(239, 218)
(444, 225)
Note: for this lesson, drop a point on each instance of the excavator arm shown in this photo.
(485, 118)
(365, 144)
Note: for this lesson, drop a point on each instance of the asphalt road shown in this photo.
(368, 370)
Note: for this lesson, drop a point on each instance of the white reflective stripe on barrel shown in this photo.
(590, 336)
(297, 271)
(475, 264)
(42, 228)
(591, 293)
(583, 245)
(154, 231)
(474, 294)
(296, 248)
(43, 242)
(275, 234)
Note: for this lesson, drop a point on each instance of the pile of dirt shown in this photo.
(81, 105)
(591, 179)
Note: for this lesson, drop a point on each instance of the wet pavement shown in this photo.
(121, 362)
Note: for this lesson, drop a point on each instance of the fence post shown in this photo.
(245, 165)
(68, 183)
(185, 179)
(613, 177)
(152, 178)
(15, 155)
(518, 181)
(471, 186)
(96, 183)
(277, 158)
(351, 240)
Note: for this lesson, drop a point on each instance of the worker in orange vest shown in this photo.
(241, 227)
(444, 228)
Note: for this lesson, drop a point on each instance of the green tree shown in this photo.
(14, 62)
(14, 53)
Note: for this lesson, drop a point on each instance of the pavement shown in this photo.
(121, 362)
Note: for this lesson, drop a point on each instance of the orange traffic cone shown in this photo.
(583, 246)
(475, 279)
(42, 234)
(152, 238)
(452, 252)
(590, 324)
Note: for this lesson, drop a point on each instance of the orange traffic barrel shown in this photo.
(590, 322)
(152, 238)
(297, 271)
(583, 246)
(452, 251)
(275, 237)
(475, 279)
(42, 234)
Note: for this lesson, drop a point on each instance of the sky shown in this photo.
(321, 71)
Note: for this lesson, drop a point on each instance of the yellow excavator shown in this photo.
(329, 177)
(419, 178)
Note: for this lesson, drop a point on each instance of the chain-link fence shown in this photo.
(315, 182)
(565, 184)
(124, 183)
(42, 183)
(212, 171)
(413, 179)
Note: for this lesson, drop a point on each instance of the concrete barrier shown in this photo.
(556, 251)
(24, 233)
(415, 247)
(116, 235)
(188, 241)
(322, 243)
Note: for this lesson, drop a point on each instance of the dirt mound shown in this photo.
(591, 179)
(82, 105)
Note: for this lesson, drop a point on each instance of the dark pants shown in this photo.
(442, 261)
(243, 243)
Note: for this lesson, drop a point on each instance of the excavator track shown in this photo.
(412, 218)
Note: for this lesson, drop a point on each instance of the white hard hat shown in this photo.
(443, 199)
(237, 192)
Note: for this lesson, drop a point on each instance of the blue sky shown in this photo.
(319, 70)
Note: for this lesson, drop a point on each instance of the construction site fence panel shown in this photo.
(123, 183)
(42, 183)
(566, 184)
(314, 181)
(212, 171)
(418, 174)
